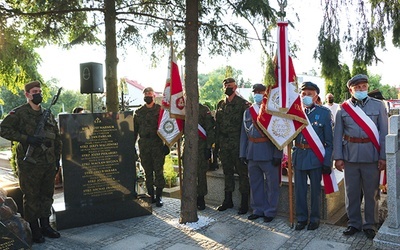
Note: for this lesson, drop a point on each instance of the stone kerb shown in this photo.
(388, 236)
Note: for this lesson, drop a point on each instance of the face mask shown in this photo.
(307, 101)
(330, 100)
(37, 98)
(148, 99)
(228, 91)
(258, 98)
(360, 95)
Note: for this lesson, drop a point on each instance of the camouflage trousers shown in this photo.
(202, 172)
(152, 159)
(229, 156)
(37, 185)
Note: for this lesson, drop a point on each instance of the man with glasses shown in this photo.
(359, 149)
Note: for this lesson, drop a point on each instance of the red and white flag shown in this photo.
(281, 115)
(172, 113)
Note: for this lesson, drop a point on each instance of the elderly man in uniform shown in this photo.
(151, 147)
(359, 149)
(263, 162)
(229, 117)
(36, 180)
(206, 139)
(305, 160)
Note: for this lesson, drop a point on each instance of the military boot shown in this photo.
(37, 236)
(150, 192)
(47, 230)
(159, 202)
(244, 204)
(227, 203)
(201, 204)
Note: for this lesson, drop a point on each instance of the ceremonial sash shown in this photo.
(202, 132)
(318, 148)
(364, 122)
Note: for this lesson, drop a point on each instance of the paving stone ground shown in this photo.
(224, 230)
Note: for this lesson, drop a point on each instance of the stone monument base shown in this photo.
(99, 212)
(332, 205)
(387, 238)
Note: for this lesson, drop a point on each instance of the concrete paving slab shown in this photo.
(181, 246)
(134, 242)
(95, 234)
(265, 240)
(317, 244)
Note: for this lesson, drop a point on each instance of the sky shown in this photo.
(64, 64)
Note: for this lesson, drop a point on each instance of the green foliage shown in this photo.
(13, 159)
(170, 175)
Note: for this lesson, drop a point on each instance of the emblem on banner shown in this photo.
(169, 127)
(281, 128)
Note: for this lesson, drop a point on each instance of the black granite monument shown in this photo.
(99, 172)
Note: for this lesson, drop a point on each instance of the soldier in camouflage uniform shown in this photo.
(206, 139)
(229, 118)
(36, 180)
(151, 147)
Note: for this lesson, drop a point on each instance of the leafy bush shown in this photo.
(170, 175)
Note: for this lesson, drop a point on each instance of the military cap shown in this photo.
(310, 86)
(31, 85)
(259, 87)
(360, 78)
(228, 80)
(376, 94)
(148, 89)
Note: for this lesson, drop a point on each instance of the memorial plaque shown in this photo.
(99, 170)
(9, 241)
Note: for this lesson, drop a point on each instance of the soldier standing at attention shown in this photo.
(35, 180)
(206, 139)
(306, 161)
(151, 147)
(264, 160)
(359, 148)
(229, 117)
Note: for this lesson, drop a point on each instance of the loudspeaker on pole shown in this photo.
(91, 78)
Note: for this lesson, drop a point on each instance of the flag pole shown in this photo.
(290, 185)
(180, 167)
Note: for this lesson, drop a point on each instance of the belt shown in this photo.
(302, 146)
(258, 140)
(356, 140)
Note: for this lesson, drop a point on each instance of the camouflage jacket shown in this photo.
(208, 123)
(145, 122)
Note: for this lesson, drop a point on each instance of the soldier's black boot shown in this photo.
(244, 204)
(150, 192)
(47, 230)
(37, 236)
(201, 204)
(159, 202)
(227, 203)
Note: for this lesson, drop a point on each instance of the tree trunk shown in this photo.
(189, 190)
(111, 57)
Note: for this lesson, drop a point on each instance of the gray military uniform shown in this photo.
(360, 158)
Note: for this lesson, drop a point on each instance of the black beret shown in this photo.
(309, 85)
(259, 87)
(31, 85)
(376, 94)
(228, 80)
(148, 89)
(360, 78)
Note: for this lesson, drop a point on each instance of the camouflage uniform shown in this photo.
(151, 146)
(36, 180)
(229, 117)
(208, 123)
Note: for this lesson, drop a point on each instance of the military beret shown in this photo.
(259, 87)
(376, 94)
(310, 86)
(360, 78)
(148, 89)
(228, 80)
(31, 85)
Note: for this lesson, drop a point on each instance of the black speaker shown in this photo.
(91, 78)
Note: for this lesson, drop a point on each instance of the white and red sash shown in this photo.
(254, 110)
(369, 128)
(364, 122)
(202, 132)
(330, 183)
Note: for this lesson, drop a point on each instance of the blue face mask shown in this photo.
(258, 98)
(307, 101)
(360, 95)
